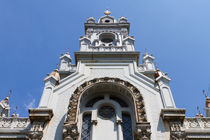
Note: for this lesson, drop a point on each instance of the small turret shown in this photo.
(162, 81)
(207, 104)
(66, 62)
(148, 62)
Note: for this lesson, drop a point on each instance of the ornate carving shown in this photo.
(191, 123)
(70, 131)
(14, 122)
(70, 123)
(143, 131)
(35, 135)
(39, 118)
(35, 132)
(175, 118)
(176, 131)
(138, 99)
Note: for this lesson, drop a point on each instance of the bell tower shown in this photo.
(107, 35)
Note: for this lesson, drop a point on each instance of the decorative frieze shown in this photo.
(14, 122)
(111, 48)
(197, 122)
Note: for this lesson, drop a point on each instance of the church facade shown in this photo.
(106, 95)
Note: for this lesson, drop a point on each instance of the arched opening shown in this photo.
(111, 103)
(107, 37)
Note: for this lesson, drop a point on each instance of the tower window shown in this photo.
(127, 127)
(107, 37)
(107, 21)
(86, 127)
(106, 112)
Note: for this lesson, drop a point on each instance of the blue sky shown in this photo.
(33, 34)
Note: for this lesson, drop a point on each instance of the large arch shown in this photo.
(70, 131)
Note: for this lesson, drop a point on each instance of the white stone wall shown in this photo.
(59, 100)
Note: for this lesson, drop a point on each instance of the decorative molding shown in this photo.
(138, 99)
(143, 131)
(39, 118)
(176, 131)
(40, 114)
(175, 118)
(198, 122)
(14, 122)
(36, 130)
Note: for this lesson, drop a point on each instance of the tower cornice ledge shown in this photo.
(94, 55)
(173, 114)
(41, 114)
(112, 25)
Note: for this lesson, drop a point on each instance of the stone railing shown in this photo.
(196, 123)
(14, 122)
(107, 48)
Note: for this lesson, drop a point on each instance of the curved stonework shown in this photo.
(74, 102)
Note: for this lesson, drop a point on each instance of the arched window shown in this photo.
(127, 127)
(86, 127)
(105, 111)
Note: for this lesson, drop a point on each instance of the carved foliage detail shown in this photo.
(176, 130)
(70, 131)
(36, 131)
(143, 131)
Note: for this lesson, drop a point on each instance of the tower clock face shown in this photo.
(106, 112)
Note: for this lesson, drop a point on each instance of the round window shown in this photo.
(106, 112)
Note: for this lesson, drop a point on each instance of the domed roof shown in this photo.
(107, 19)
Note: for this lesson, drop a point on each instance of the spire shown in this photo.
(14, 113)
(199, 114)
(205, 93)
(7, 98)
(146, 51)
(67, 51)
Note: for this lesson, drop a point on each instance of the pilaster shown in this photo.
(174, 118)
(38, 118)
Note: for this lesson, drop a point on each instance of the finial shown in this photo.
(57, 66)
(199, 112)
(145, 51)
(205, 93)
(107, 12)
(7, 98)
(14, 113)
(156, 65)
(10, 92)
(67, 51)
